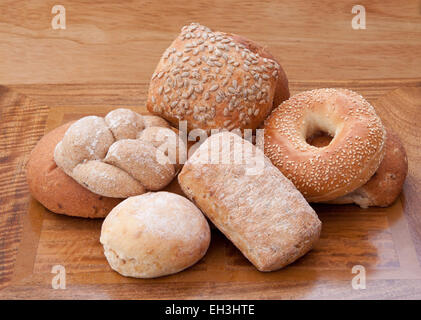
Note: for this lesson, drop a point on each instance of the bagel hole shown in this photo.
(319, 130)
(319, 139)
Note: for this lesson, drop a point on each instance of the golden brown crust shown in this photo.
(56, 190)
(351, 158)
(263, 214)
(386, 184)
(282, 89)
(215, 80)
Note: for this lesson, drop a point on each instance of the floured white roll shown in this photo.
(154, 234)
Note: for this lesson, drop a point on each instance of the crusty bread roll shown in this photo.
(351, 158)
(113, 156)
(386, 184)
(216, 80)
(154, 234)
(250, 201)
(57, 191)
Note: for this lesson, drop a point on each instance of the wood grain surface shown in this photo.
(22, 124)
(121, 41)
(386, 241)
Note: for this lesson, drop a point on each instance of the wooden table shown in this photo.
(121, 42)
(104, 60)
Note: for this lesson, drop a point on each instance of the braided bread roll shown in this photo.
(54, 189)
(121, 155)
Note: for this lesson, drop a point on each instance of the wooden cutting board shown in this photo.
(385, 241)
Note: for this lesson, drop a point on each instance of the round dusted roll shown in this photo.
(55, 190)
(216, 80)
(116, 157)
(346, 163)
(154, 234)
(386, 184)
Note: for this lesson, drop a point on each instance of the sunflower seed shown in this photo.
(214, 87)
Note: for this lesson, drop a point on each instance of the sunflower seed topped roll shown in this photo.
(216, 80)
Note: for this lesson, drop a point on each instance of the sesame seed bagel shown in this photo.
(353, 155)
(216, 80)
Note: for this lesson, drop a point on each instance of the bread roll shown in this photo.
(154, 234)
(57, 191)
(386, 184)
(154, 121)
(216, 80)
(250, 201)
(110, 156)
